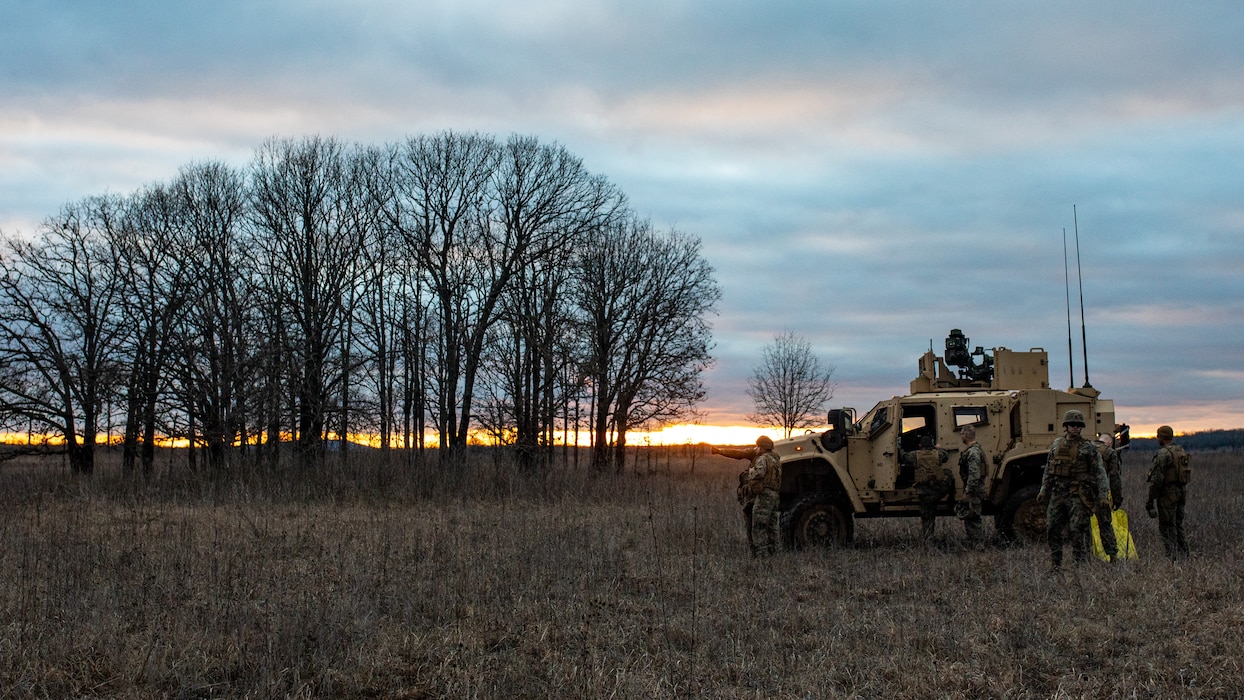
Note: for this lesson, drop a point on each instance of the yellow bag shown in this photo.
(1122, 537)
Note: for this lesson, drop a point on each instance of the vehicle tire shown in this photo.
(1022, 519)
(817, 521)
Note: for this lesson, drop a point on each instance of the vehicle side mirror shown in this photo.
(835, 438)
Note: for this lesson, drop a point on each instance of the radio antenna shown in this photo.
(1080, 281)
(1071, 376)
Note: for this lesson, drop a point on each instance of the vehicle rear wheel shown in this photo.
(1022, 519)
(818, 521)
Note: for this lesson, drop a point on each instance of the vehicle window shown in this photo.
(970, 415)
(913, 423)
(880, 420)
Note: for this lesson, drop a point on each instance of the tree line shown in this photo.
(1203, 440)
(446, 284)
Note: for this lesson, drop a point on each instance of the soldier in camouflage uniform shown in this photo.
(1168, 493)
(1105, 516)
(1074, 485)
(972, 473)
(934, 483)
(758, 494)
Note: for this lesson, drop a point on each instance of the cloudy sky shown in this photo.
(865, 174)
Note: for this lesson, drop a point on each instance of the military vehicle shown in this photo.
(854, 469)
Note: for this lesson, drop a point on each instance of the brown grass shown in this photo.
(388, 582)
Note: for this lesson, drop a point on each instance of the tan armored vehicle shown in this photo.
(854, 469)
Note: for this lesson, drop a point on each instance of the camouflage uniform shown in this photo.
(1169, 493)
(758, 494)
(1105, 516)
(933, 484)
(763, 479)
(1074, 482)
(972, 472)
(746, 499)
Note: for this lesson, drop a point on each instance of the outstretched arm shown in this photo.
(735, 452)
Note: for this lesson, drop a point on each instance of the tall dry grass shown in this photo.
(386, 581)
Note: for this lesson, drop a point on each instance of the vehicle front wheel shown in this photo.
(1022, 519)
(818, 521)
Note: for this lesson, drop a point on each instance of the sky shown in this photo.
(867, 175)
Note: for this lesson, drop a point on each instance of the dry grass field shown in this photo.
(382, 581)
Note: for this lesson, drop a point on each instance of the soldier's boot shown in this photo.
(974, 533)
(1169, 545)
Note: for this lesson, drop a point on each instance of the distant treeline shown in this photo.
(455, 284)
(1205, 440)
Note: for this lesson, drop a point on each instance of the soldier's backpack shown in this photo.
(1180, 471)
(928, 466)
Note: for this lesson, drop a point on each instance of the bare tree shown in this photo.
(643, 301)
(790, 386)
(217, 369)
(520, 367)
(303, 201)
(154, 253)
(413, 343)
(548, 204)
(440, 184)
(59, 326)
(382, 298)
(366, 225)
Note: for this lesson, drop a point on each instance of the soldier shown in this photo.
(1168, 481)
(758, 493)
(972, 473)
(934, 483)
(1105, 516)
(1074, 485)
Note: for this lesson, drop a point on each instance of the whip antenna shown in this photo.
(1071, 376)
(1080, 281)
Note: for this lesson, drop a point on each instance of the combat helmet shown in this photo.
(1166, 433)
(1073, 417)
(764, 442)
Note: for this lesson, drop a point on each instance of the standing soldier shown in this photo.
(758, 493)
(972, 473)
(1105, 516)
(1168, 493)
(934, 483)
(1074, 485)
